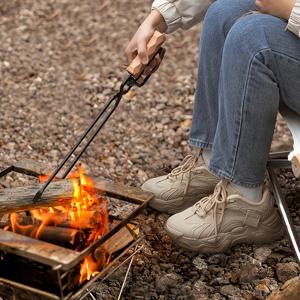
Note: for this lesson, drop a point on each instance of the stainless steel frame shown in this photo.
(278, 160)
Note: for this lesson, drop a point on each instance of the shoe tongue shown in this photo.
(231, 190)
(200, 161)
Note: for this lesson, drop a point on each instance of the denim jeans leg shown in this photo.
(260, 67)
(219, 18)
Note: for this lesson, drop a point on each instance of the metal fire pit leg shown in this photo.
(127, 273)
(284, 210)
(89, 293)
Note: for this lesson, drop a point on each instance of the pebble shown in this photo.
(248, 273)
(200, 263)
(262, 253)
(168, 281)
(289, 291)
(262, 290)
(230, 290)
(285, 271)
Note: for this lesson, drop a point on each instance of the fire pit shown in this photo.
(55, 249)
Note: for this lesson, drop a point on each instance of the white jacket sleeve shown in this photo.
(181, 13)
(294, 21)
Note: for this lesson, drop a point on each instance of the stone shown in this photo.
(230, 290)
(285, 271)
(248, 273)
(200, 290)
(262, 290)
(218, 259)
(289, 291)
(199, 263)
(168, 281)
(274, 258)
(262, 253)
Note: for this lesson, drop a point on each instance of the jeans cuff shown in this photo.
(200, 144)
(223, 175)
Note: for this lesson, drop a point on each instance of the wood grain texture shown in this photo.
(20, 198)
(38, 250)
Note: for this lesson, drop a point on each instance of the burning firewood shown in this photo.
(66, 237)
(20, 199)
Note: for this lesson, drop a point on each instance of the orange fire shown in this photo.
(86, 212)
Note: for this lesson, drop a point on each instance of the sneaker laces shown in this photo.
(186, 165)
(213, 202)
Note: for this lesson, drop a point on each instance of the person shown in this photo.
(249, 69)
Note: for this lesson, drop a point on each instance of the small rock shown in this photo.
(234, 277)
(287, 271)
(248, 273)
(200, 263)
(262, 290)
(200, 290)
(218, 259)
(262, 253)
(168, 281)
(289, 291)
(274, 258)
(230, 290)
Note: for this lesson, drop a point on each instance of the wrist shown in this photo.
(157, 21)
(289, 9)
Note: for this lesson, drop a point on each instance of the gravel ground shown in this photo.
(59, 62)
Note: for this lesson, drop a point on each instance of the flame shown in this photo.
(87, 212)
(88, 269)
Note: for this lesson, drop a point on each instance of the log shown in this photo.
(23, 219)
(39, 251)
(59, 193)
(66, 237)
(118, 241)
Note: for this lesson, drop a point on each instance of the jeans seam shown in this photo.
(242, 111)
(285, 55)
(199, 143)
(225, 176)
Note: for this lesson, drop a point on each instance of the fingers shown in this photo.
(137, 46)
(131, 52)
(142, 50)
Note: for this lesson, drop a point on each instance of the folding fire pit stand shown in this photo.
(49, 271)
(278, 160)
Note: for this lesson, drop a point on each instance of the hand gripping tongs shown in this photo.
(138, 77)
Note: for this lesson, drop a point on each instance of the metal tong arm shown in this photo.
(135, 69)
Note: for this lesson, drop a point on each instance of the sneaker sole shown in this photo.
(249, 235)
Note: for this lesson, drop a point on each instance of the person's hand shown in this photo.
(138, 44)
(277, 8)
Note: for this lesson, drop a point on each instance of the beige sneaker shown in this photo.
(183, 187)
(224, 219)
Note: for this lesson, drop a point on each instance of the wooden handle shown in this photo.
(136, 67)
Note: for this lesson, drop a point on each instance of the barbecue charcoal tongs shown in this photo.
(138, 77)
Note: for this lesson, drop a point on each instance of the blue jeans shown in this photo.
(249, 67)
